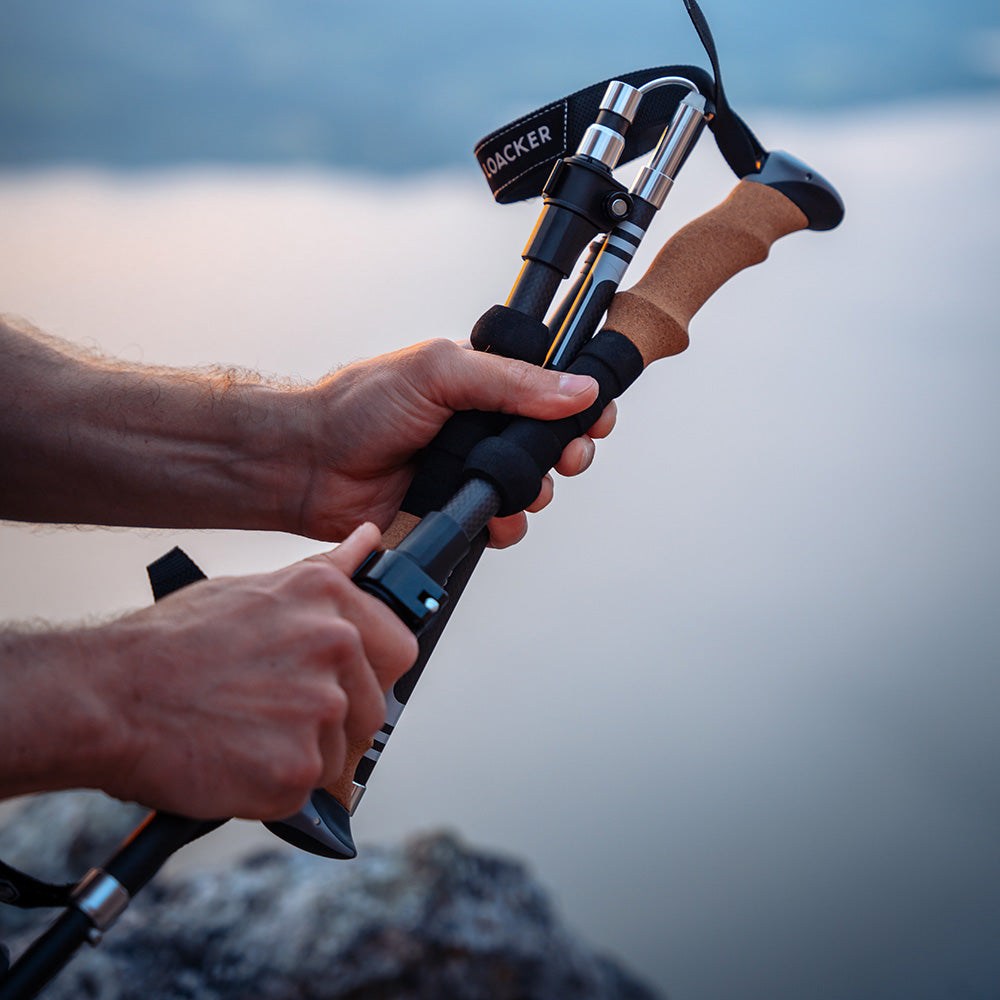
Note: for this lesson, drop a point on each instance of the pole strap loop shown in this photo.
(26, 892)
(517, 159)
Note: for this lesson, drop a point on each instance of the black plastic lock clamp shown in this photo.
(400, 583)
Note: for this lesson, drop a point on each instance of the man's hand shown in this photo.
(231, 697)
(373, 418)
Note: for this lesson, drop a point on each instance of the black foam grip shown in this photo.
(442, 464)
(515, 461)
(500, 330)
(511, 334)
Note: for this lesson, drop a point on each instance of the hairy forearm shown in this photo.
(83, 440)
(55, 729)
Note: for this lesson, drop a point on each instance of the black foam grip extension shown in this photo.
(511, 334)
(515, 461)
(500, 330)
(443, 461)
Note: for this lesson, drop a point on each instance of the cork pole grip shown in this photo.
(654, 314)
(342, 787)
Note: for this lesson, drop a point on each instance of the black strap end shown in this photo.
(172, 571)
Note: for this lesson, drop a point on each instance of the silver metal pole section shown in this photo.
(621, 98)
(102, 899)
(657, 178)
(601, 142)
(652, 185)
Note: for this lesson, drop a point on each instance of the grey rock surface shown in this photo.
(432, 919)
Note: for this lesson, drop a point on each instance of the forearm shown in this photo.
(87, 441)
(55, 729)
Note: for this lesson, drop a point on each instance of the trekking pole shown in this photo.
(648, 322)
(645, 323)
(516, 330)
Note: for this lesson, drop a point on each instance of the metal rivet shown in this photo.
(619, 208)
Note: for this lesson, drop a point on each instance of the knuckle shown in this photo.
(520, 382)
(319, 575)
(332, 705)
(439, 350)
(302, 581)
(431, 358)
(339, 640)
(287, 782)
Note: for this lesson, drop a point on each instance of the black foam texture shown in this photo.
(515, 461)
(511, 334)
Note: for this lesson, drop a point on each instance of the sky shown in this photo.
(734, 697)
(396, 87)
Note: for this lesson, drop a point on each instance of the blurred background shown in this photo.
(734, 699)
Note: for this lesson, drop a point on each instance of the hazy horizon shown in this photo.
(397, 87)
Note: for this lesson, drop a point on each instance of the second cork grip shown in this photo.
(654, 314)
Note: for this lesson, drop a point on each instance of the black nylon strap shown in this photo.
(172, 571)
(738, 145)
(517, 158)
(19, 889)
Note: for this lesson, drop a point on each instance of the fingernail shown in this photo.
(573, 385)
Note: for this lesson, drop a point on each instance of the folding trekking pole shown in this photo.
(504, 473)
(581, 197)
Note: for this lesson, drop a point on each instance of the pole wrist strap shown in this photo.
(26, 892)
(517, 159)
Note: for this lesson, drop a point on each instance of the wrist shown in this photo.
(278, 447)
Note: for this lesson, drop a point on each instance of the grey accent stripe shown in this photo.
(393, 708)
(610, 266)
(631, 230)
(625, 246)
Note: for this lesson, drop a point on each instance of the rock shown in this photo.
(432, 919)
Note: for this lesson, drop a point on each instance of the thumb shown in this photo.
(473, 380)
(355, 548)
